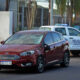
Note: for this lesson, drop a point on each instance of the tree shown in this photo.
(61, 6)
(31, 13)
(74, 9)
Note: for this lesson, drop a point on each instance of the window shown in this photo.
(56, 37)
(48, 39)
(61, 30)
(61, 37)
(73, 32)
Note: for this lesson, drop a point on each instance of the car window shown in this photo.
(48, 39)
(61, 37)
(77, 27)
(56, 37)
(73, 32)
(61, 30)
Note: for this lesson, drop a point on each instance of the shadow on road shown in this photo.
(77, 56)
(50, 68)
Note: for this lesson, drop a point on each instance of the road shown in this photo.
(51, 73)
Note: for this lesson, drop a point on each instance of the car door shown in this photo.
(59, 45)
(49, 42)
(74, 39)
(62, 30)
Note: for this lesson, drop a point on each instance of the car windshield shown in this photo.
(25, 38)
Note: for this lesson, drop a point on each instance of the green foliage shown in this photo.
(61, 5)
(76, 6)
(73, 7)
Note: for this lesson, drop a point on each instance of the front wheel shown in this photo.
(66, 60)
(40, 64)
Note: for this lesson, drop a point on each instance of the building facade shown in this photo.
(2, 5)
(10, 5)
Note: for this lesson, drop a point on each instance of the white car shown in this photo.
(71, 34)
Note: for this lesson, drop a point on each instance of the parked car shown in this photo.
(34, 48)
(71, 34)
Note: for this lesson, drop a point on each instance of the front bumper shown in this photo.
(28, 61)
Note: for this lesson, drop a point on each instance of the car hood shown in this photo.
(17, 48)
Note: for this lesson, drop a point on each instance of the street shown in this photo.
(51, 73)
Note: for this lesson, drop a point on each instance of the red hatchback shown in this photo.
(34, 48)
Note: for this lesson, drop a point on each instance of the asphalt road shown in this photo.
(51, 73)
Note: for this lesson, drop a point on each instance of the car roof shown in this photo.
(48, 26)
(34, 31)
(57, 27)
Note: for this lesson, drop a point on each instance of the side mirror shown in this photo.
(2, 42)
(46, 47)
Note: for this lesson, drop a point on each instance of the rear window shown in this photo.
(45, 28)
(48, 39)
(57, 37)
(61, 30)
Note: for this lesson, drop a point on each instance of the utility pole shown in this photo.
(7, 5)
(42, 16)
(23, 16)
(51, 12)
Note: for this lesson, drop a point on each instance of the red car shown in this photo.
(34, 48)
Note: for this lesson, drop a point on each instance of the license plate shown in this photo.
(5, 63)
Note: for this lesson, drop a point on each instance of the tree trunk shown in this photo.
(71, 12)
(31, 13)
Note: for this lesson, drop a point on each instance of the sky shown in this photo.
(45, 3)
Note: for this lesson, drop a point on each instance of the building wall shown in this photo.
(5, 24)
(13, 6)
(2, 5)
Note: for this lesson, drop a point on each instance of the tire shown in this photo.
(40, 64)
(66, 60)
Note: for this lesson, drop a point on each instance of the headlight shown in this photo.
(27, 53)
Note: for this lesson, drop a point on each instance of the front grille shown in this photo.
(9, 57)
